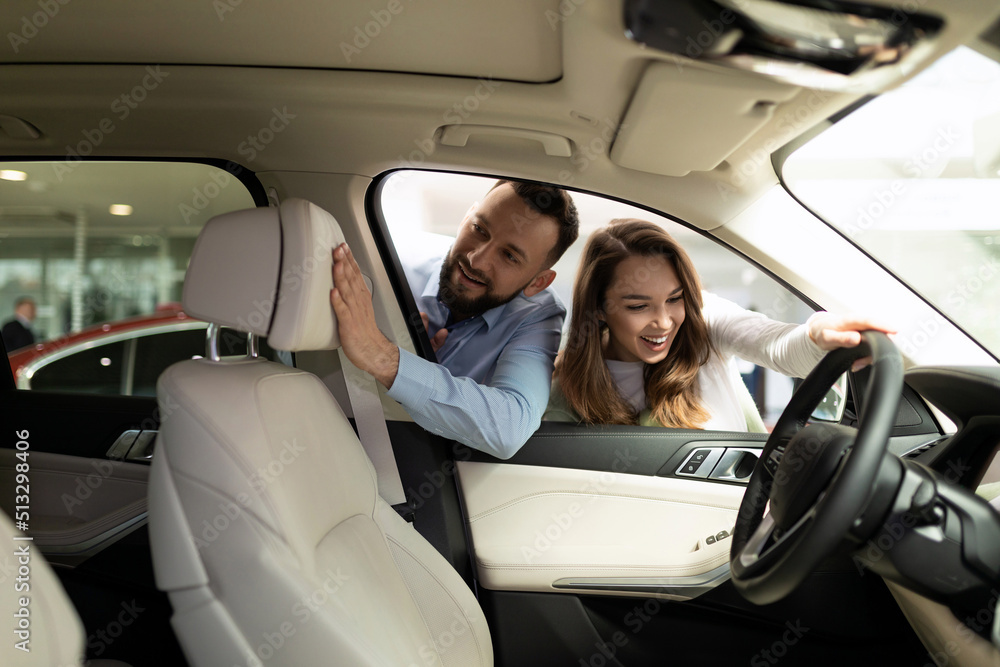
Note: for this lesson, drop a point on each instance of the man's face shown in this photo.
(27, 310)
(501, 249)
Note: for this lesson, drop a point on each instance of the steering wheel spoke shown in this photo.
(770, 542)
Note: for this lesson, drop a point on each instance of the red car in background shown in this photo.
(124, 357)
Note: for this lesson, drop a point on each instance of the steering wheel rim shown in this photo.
(771, 555)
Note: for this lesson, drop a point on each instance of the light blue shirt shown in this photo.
(491, 384)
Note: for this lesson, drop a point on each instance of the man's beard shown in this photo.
(460, 305)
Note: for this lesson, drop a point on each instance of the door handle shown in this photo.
(133, 445)
(735, 465)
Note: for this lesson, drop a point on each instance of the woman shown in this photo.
(647, 346)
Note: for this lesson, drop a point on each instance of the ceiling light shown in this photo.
(13, 175)
(120, 209)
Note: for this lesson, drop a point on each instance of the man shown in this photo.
(17, 333)
(493, 321)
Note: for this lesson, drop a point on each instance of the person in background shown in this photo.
(17, 332)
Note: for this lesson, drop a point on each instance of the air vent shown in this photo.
(914, 453)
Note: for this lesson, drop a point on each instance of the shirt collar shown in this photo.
(493, 315)
(433, 280)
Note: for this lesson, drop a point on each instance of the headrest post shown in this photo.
(212, 342)
(253, 350)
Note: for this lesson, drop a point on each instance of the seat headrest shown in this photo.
(268, 271)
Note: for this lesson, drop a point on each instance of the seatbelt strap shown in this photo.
(372, 430)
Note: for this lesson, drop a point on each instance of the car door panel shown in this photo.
(78, 506)
(542, 529)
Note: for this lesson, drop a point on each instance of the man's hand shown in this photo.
(830, 331)
(437, 339)
(363, 343)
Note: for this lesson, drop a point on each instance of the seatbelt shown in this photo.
(372, 430)
(362, 391)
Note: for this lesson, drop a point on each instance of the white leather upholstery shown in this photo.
(232, 276)
(266, 527)
(947, 639)
(309, 233)
(56, 634)
(533, 526)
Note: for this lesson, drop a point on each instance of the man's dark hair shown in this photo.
(554, 202)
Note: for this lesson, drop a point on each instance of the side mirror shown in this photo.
(831, 408)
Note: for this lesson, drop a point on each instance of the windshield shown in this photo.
(913, 177)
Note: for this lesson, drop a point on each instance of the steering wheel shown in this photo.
(818, 478)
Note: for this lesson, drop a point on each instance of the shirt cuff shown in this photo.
(808, 345)
(413, 385)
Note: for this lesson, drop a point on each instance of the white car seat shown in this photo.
(34, 603)
(266, 528)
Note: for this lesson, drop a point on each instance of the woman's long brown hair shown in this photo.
(671, 385)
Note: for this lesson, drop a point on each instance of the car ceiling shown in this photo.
(230, 68)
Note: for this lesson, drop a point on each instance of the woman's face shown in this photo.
(644, 309)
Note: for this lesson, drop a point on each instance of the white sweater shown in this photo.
(734, 332)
